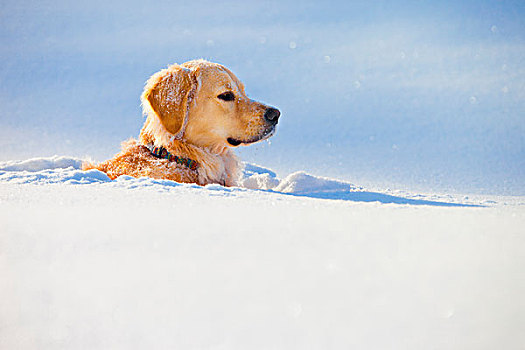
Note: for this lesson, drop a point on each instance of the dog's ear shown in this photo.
(167, 93)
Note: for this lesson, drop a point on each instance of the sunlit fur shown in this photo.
(184, 115)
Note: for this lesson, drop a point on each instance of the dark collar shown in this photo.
(161, 152)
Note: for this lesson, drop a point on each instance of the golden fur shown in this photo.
(185, 115)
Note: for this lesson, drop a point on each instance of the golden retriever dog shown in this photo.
(195, 113)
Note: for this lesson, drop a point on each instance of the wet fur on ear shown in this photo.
(168, 94)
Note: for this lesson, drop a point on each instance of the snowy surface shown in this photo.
(141, 263)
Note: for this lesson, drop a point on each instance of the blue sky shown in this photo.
(407, 94)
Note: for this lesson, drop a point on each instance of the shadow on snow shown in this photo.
(365, 196)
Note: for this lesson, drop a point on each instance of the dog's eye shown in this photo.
(227, 96)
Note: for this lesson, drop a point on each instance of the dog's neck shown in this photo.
(161, 152)
(214, 165)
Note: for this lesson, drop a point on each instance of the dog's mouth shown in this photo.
(267, 134)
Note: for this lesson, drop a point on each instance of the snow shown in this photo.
(39, 164)
(49, 170)
(143, 263)
(302, 182)
(66, 170)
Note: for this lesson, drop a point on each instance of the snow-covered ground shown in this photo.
(300, 263)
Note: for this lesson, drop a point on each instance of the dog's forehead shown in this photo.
(221, 77)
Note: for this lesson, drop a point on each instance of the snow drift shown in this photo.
(143, 263)
(66, 170)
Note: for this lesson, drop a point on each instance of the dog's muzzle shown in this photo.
(271, 116)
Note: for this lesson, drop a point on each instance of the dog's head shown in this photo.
(205, 104)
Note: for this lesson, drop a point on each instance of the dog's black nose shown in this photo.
(272, 115)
